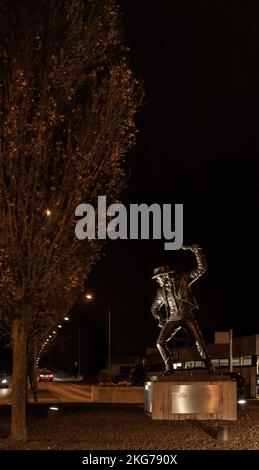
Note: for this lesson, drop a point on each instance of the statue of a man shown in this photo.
(179, 303)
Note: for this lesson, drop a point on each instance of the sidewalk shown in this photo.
(44, 396)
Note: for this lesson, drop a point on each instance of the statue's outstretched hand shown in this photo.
(193, 247)
(185, 247)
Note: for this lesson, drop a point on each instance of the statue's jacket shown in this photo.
(177, 297)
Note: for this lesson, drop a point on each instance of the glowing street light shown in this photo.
(48, 212)
(88, 296)
(66, 318)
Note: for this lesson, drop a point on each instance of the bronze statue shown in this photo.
(179, 302)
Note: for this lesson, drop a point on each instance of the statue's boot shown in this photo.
(168, 367)
(210, 367)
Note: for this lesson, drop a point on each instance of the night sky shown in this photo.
(197, 145)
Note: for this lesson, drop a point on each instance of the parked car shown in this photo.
(242, 387)
(44, 375)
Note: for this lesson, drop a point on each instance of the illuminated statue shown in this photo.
(179, 303)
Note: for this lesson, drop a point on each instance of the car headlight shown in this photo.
(4, 381)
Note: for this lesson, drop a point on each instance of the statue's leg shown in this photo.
(167, 332)
(193, 329)
(177, 328)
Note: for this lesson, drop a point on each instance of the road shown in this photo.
(67, 392)
(54, 392)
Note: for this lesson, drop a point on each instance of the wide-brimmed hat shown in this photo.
(162, 270)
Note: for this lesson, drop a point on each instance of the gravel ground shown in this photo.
(114, 427)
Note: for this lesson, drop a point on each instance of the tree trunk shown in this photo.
(34, 372)
(19, 380)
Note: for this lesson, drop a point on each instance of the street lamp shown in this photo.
(87, 297)
(79, 350)
(79, 345)
(109, 341)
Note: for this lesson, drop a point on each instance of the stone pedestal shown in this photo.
(189, 399)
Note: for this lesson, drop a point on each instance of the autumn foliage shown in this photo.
(68, 101)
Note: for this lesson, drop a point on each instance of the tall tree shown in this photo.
(68, 100)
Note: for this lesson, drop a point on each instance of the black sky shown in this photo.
(198, 145)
